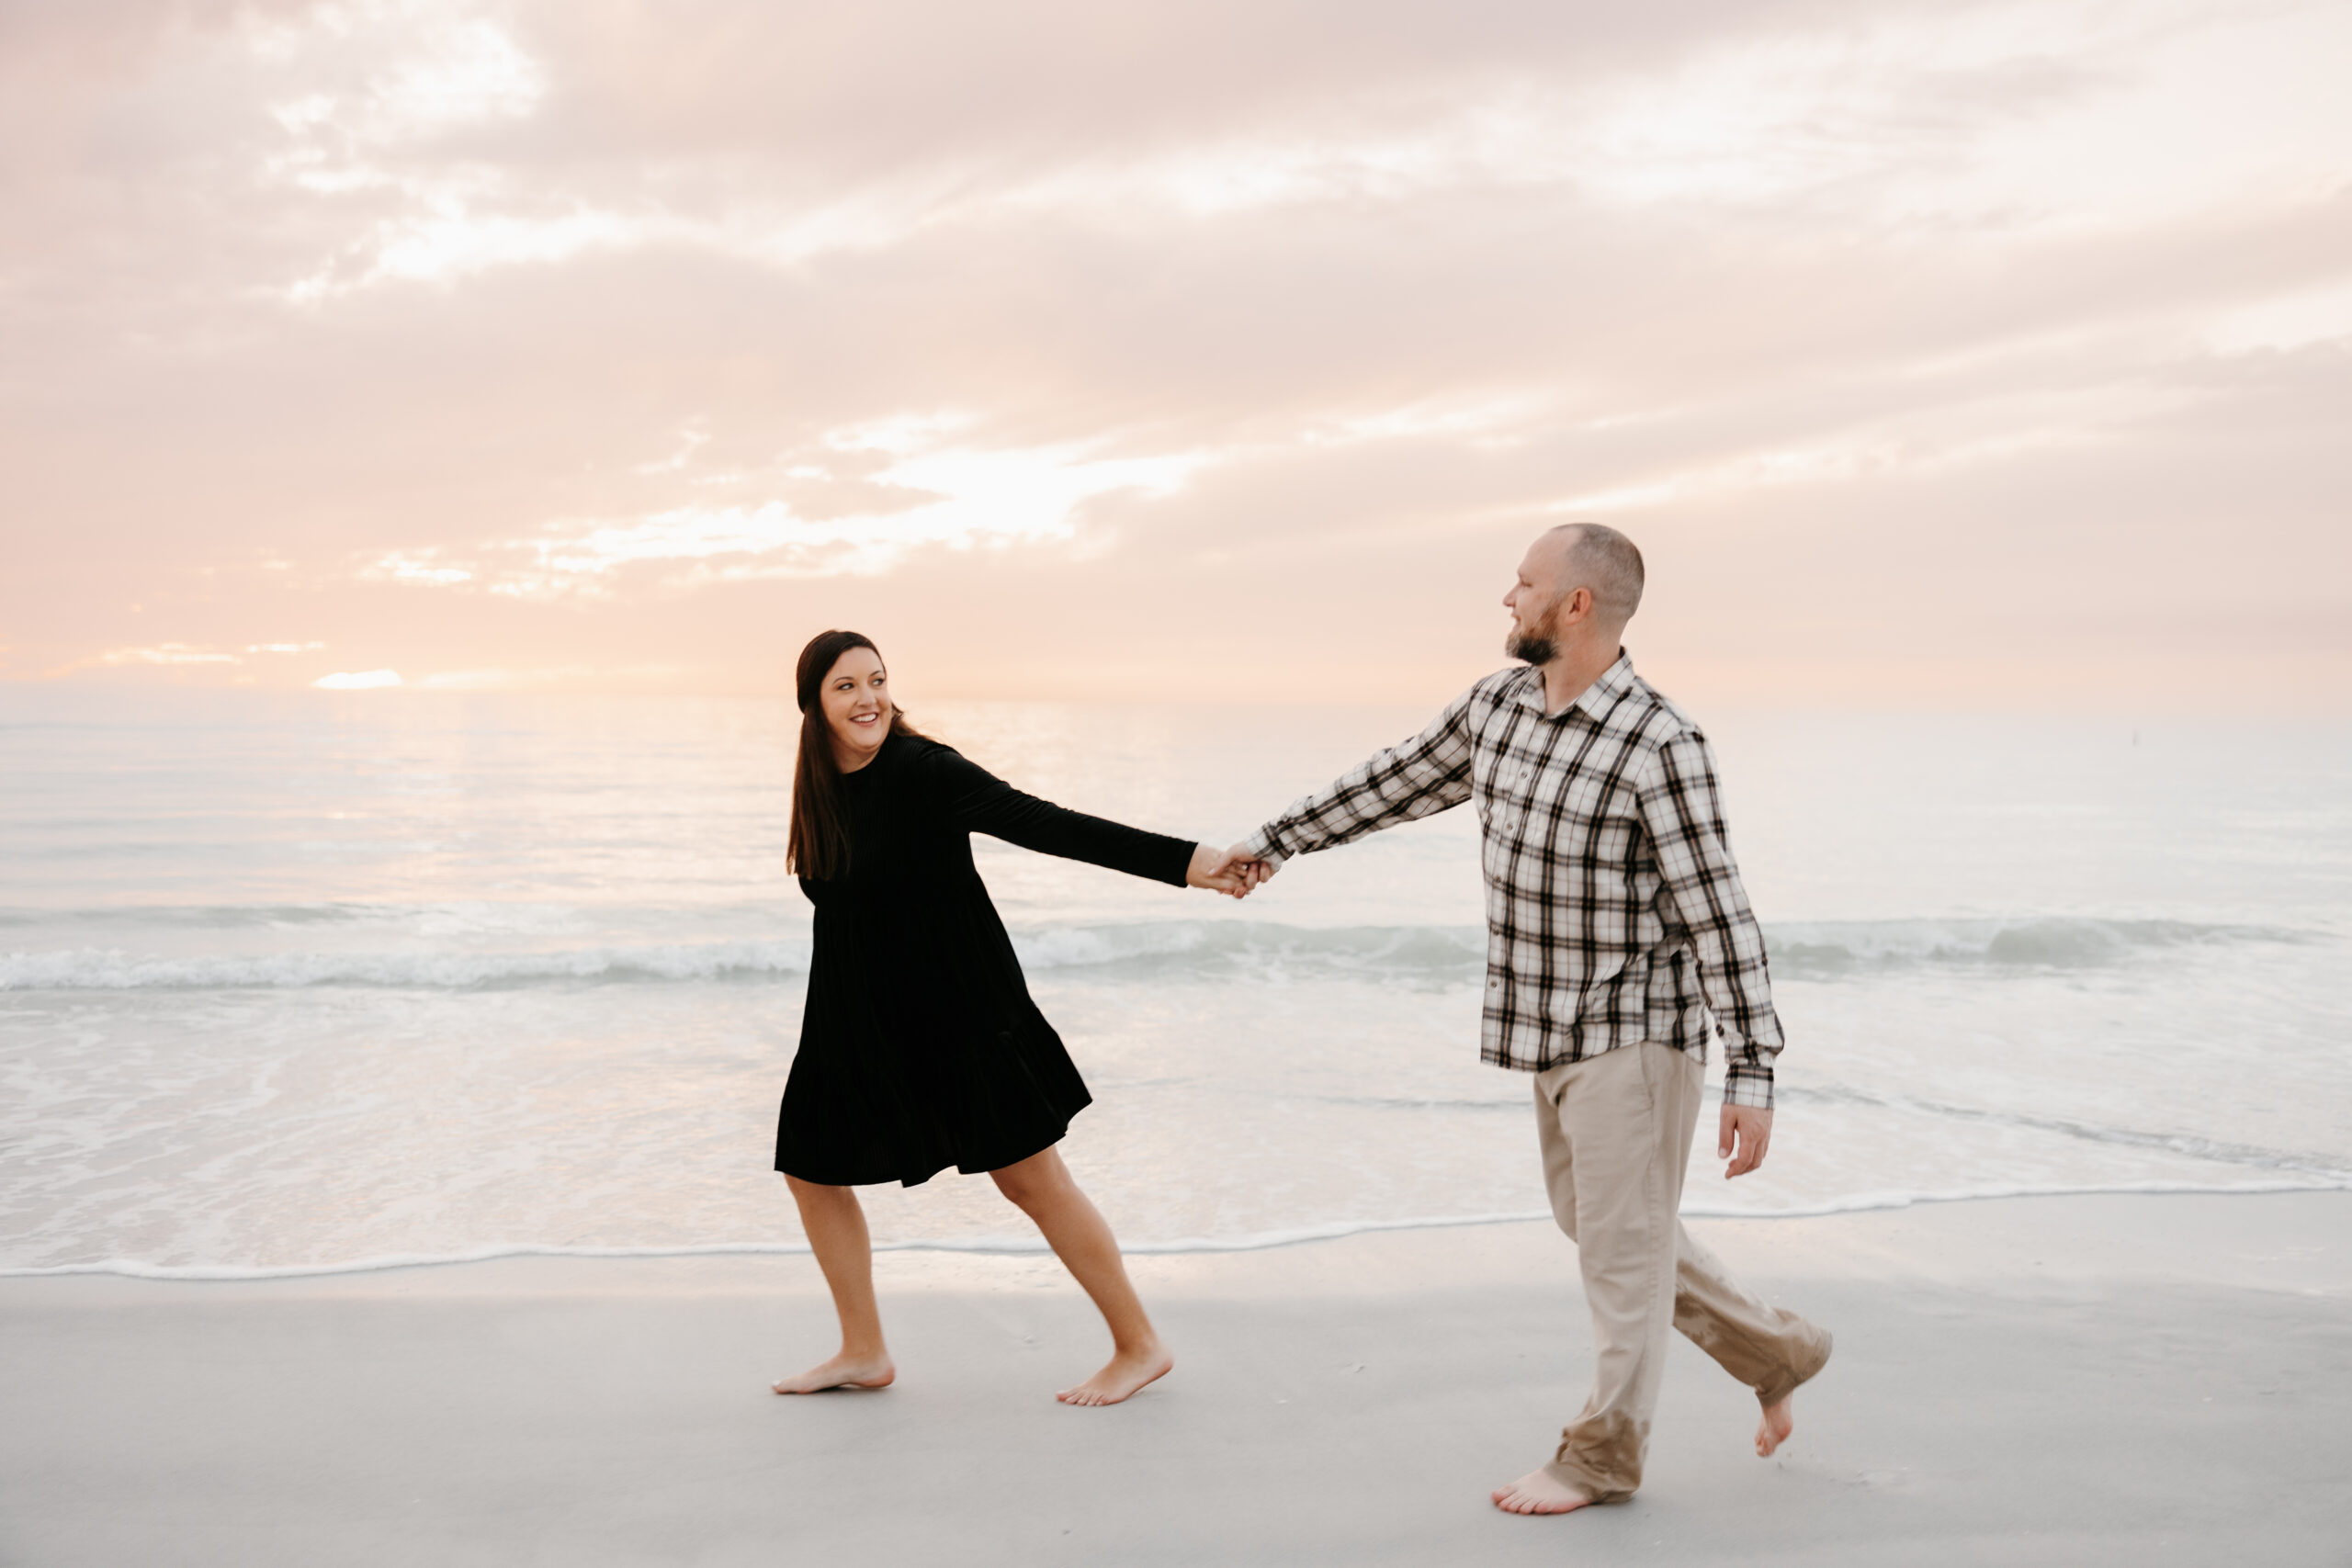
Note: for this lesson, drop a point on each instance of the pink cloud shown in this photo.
(601, 344)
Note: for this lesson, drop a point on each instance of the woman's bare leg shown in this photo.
(1045, 1191)
(836, 1227)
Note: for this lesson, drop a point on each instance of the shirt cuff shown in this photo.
(1260, 845)
(1744, 1085)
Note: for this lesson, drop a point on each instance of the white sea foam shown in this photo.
(1030, 1245)
(1263, 948)
(2215, 1151)
(1825, 949)
(1131, 951)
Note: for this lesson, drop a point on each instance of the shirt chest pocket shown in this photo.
(1509, 789)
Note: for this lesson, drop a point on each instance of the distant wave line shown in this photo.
(1409, 955)
(2189, 1145)
(1867, 1203)
(111, 970)
(496, 914)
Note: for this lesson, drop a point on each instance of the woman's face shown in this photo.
(856, 695)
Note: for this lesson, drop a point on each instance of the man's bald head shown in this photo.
(1598, 559)
(1578, 584)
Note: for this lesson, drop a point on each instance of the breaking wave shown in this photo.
(1828, 949)
(1419, 956)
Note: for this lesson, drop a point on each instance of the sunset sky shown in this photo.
(1953, 353)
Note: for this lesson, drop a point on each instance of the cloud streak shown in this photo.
(613, 344)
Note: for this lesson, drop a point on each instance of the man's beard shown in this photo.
(1532, 648)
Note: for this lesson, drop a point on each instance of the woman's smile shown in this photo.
(856, 695)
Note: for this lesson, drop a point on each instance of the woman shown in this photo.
(920, 1048)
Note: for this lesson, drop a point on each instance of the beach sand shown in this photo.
(2088, 1379)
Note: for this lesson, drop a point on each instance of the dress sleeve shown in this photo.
(979, 802)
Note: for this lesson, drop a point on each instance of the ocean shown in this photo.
(306, 982)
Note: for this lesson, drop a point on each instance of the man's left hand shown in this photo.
(1745, 1134)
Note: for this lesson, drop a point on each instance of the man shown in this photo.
(1619, 943)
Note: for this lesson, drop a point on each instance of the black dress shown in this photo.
(920, 1047)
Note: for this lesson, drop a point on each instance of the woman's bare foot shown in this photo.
(841, 1371)
(1121, 1376)
(1539, 1492)
(1774, 1429)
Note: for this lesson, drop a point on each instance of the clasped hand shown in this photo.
(1233, 872)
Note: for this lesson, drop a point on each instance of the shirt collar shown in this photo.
(1594, 701)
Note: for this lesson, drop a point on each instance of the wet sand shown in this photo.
(2093, 1380)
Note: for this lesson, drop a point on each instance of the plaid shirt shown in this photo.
(1615, 912)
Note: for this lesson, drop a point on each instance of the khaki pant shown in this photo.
(1616, 1133)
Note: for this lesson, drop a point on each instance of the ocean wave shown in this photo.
(1442, 955)
(439, 916)
(1419, 956)
(1829, 949)
(1455, 954)
(1264, 1241)
(111, 970)
(211, 917)
(2191, 1145)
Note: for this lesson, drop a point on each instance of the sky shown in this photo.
(1960, 353)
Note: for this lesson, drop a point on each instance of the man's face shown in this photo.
(1532, 600)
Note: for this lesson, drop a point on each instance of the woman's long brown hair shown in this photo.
(818, 846)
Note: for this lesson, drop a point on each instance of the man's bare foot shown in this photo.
(1774, 1429)
(1121, 1376)
(841, 1371)
(1539, 1492)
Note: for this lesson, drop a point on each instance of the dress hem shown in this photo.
(959, 1167)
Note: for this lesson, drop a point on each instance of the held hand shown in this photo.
(1749, 1132)
(1219, 872)
(1254, 869)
